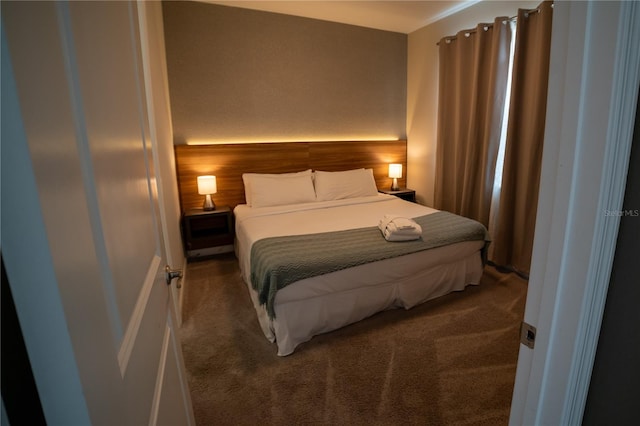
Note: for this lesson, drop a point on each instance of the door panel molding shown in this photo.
(131, 333)
(86, 165)
(157, 394)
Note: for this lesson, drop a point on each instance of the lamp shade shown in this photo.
(207, 185)
(395, 170)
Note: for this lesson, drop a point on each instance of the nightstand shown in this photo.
(404, 193)
(207, 232)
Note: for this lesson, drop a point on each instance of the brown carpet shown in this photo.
(450, 361)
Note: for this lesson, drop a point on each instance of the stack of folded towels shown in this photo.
(396, 228)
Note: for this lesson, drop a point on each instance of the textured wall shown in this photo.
(237, 75)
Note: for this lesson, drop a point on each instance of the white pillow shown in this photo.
(347, 184)
(247, 178)
(269, 191)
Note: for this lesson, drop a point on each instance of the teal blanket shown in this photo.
(279, 261)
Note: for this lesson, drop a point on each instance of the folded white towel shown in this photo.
(401, 223)
(398, 228)
(389, 236)
(392, 228)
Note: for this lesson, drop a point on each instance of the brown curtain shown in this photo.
(474, 67)
(515, 224)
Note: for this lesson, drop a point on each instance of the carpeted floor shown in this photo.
(450, 361)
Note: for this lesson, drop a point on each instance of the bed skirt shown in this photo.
(325, 303)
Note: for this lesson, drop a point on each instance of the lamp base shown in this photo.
(394, 185)
(208, 203)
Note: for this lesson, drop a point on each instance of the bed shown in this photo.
(320, 304)
(335, 209)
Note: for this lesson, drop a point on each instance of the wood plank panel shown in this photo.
(229, 161)
(377, 155)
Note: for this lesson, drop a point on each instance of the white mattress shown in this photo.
(320, 304)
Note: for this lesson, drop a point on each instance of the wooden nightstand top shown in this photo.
(200, 211)
(404, 193)
(398, 192)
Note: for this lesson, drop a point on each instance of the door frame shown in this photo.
(593, 89)
(156, 82)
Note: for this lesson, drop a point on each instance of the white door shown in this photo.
(81, 233)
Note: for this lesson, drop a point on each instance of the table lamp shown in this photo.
(395, 172)
(207, 186)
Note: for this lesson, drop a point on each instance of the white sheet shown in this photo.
(325, 303)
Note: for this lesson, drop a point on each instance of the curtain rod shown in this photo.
(487, 26)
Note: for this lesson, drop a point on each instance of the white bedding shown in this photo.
(327, 302)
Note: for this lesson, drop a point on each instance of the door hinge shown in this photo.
(527, 335)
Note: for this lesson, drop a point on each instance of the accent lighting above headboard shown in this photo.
(229, 161)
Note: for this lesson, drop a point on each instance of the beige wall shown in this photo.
(422, 87)
(243, 75)
(238, 75)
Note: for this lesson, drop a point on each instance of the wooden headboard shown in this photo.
(229, 161)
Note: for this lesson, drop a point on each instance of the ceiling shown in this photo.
(398, 16)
